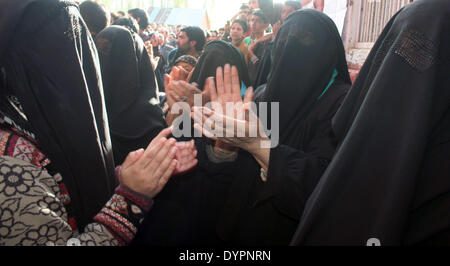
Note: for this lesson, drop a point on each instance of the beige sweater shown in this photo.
(32, 210)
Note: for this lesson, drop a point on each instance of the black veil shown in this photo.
(389, 179)
(51, 65)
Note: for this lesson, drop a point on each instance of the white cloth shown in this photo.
(336, 10)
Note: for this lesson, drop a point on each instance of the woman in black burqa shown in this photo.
(134, 115)
(58, 102)
(186, 211)
(389, 179)
(217, 54)
(309, 79)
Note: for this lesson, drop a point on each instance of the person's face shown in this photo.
(253, 4)
(183, 42)
(237, 32)
(257, 24)
(287, 10)
(185, 66)
(214, 35)
(154, 40)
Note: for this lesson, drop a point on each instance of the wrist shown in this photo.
(262, 156)
(143, 201)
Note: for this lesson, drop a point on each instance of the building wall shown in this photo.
(364, 22)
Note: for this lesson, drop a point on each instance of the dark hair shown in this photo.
(295, 4)
(114, 17)
(260, 14)
(243, 24)
(95, 16)
(195, 34)
(129, 23)
(121, 13)
(142, 15)
(244, 6)
(187, 59)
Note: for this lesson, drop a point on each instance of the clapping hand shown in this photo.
(148, 171)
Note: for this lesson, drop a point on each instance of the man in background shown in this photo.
(190, 41)
(97, 17)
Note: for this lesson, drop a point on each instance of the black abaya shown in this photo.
(134, 115)
(186, 211)
(390, 177)
(37, 38)
(305, 53)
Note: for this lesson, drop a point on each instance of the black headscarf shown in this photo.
(390, 177)
(130, 91)
(306, 52)
(51, 66)
(217, 54)
(128, 23)
(264, 67)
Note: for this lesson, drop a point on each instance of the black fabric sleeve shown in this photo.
(291, 178)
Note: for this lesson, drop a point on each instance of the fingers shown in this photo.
(212, 89)
(219, 83)
(235, 86)
(132, 158)
(183, 74)
(182, 88)
(157, 143)
(171, 98)
(175, 73)
(185, 159)
(167, 174)
(248, 97)
(201, 114)
(162, 161)
(150, 152)
(167, 80)
(227, 82)
(186, 166)
(165, 133)
(160, 156)
(205, 132)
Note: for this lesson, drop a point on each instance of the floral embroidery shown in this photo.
(45, 235)
(15, 180)
(32, 209)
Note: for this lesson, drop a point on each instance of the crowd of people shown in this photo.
(92, 101)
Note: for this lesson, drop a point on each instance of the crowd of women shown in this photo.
(88, 154)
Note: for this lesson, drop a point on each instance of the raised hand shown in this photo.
(186, 156)
(228, 87)
(153, 60)
(148, 171)
(240, 129)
